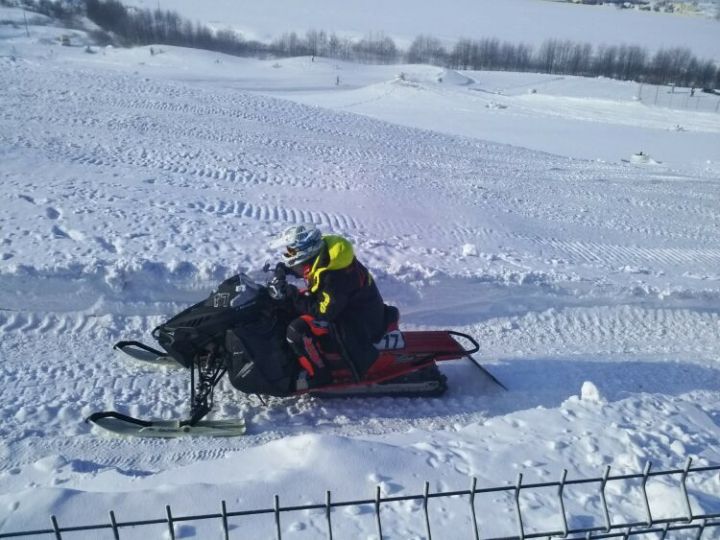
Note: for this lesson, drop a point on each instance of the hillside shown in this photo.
(134, 182)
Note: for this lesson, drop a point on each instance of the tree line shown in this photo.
(134, 26)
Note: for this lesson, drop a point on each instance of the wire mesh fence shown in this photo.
(672, 97)
(643, 520)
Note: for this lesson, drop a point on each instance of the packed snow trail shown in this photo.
(126, 198)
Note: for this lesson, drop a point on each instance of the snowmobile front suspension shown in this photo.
(210, 370)
(209, 373)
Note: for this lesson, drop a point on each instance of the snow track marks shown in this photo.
(145, 193)
(91, 377)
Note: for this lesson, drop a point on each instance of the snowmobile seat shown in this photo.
(392, 318)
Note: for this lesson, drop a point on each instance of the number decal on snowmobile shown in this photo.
(391, 341)
(221, 300)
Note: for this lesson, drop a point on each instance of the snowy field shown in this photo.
(132, 184)
(516, 21)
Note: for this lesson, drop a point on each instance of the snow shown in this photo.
(516, 21)
(132, 184)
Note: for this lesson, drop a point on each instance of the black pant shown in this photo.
(308, 339)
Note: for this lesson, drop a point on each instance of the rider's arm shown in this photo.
(326, 303)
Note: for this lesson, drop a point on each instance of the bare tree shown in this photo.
(460, 56)
(606, 61)
(312, 38)
(546, 56)
(488, 54)
(376, 48)
(706, 73)
(628, 62)
(427, 50)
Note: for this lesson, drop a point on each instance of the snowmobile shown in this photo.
(239, 331)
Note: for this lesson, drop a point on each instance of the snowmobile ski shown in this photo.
(146, 354)
(124, 425)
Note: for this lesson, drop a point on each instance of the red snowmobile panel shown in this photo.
(401, 353)
(438, 342)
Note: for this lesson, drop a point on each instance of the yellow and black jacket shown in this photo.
(342, 291)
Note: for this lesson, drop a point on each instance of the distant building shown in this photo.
(666, 6)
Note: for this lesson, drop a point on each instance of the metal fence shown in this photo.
(705, 524)
(689, 99)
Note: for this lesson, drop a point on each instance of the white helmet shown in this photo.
(301, 244)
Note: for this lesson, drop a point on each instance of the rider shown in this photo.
(341, 300)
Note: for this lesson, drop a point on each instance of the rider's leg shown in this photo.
(304, 335)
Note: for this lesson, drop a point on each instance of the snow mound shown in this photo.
(450, 76)
(590, 393)
(643, 159)
(430, 75)
(495, 105)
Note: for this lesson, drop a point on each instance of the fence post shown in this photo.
(113, 524)
(171, 529)
(327, 514)
(473, 484)
(226, 531)
(684, 489)
(608, 524)
(646, 473)
(518, 486)
(377, 512)
(426, 492)
(56, 528)
(27, 30)
(561, 489)
(277, 517)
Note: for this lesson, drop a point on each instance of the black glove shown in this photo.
(280, 271)
(277, 288)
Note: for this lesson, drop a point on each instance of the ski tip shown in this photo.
(145, 354)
